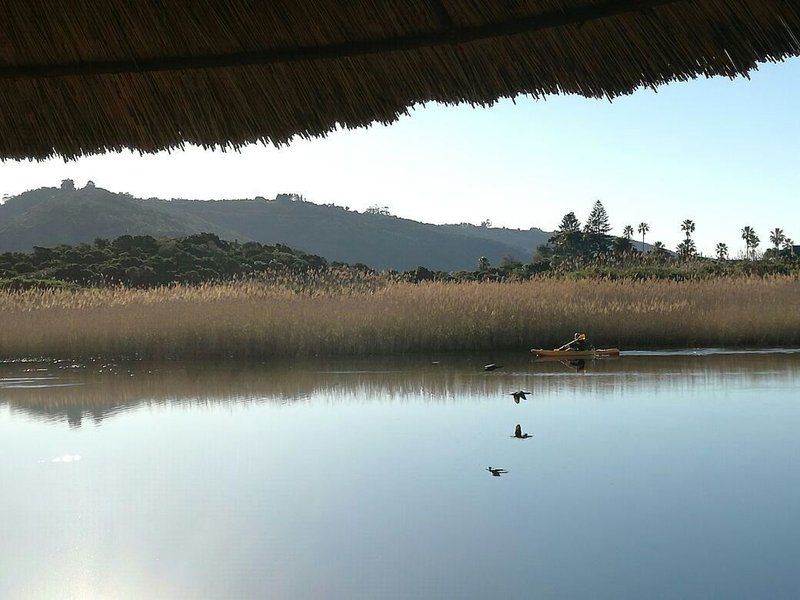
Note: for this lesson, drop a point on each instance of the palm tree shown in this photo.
(776, 236)
(751, 241)
(747, 231)
(658, 252)
(722, 251)
(686, 249)
(788, 246)
(643, 229)
(627, 233)
(754, 242)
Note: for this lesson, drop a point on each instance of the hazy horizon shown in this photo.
(721, 152)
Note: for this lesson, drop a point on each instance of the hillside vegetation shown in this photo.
(52, 216)
(144, 261)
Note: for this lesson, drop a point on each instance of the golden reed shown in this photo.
(377, 316)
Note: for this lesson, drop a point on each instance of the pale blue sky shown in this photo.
(724, 153)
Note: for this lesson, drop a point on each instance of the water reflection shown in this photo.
(579, 366)
(650, 476)
(75, 393)
(519, 435)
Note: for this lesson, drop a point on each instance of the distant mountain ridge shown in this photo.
(52, 216)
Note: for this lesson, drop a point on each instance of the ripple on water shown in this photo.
(67, 458)
(35, 382)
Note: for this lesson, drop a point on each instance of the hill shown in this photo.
(52, 216)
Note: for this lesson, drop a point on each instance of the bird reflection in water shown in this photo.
(496, 471)
(519, 435)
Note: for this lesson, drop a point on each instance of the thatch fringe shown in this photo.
(143, 74)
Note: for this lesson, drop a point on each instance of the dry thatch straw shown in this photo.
(82, 77)
(255, 320)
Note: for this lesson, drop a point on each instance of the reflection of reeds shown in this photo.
(97, 392)
(257, 319)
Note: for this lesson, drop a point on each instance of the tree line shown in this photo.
(575, 243)
(575, 250)
(145, 261)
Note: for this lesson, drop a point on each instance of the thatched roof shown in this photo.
(80, 77)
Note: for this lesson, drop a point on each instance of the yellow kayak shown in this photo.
(575, 354)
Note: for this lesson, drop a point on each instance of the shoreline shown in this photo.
(478, 357)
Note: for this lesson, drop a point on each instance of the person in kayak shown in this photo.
(579, 344)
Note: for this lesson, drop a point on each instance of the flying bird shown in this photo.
(520, 395)
(496, 471)
(519, 435)
(492, 367)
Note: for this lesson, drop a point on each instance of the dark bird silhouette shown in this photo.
(519, 435)
(492, 367)
(520, 395)
(496, 471)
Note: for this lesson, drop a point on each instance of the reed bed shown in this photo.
(256, 319)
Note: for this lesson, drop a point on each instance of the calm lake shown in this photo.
(670, 475)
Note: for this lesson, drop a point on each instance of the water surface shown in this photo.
(655, 475)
